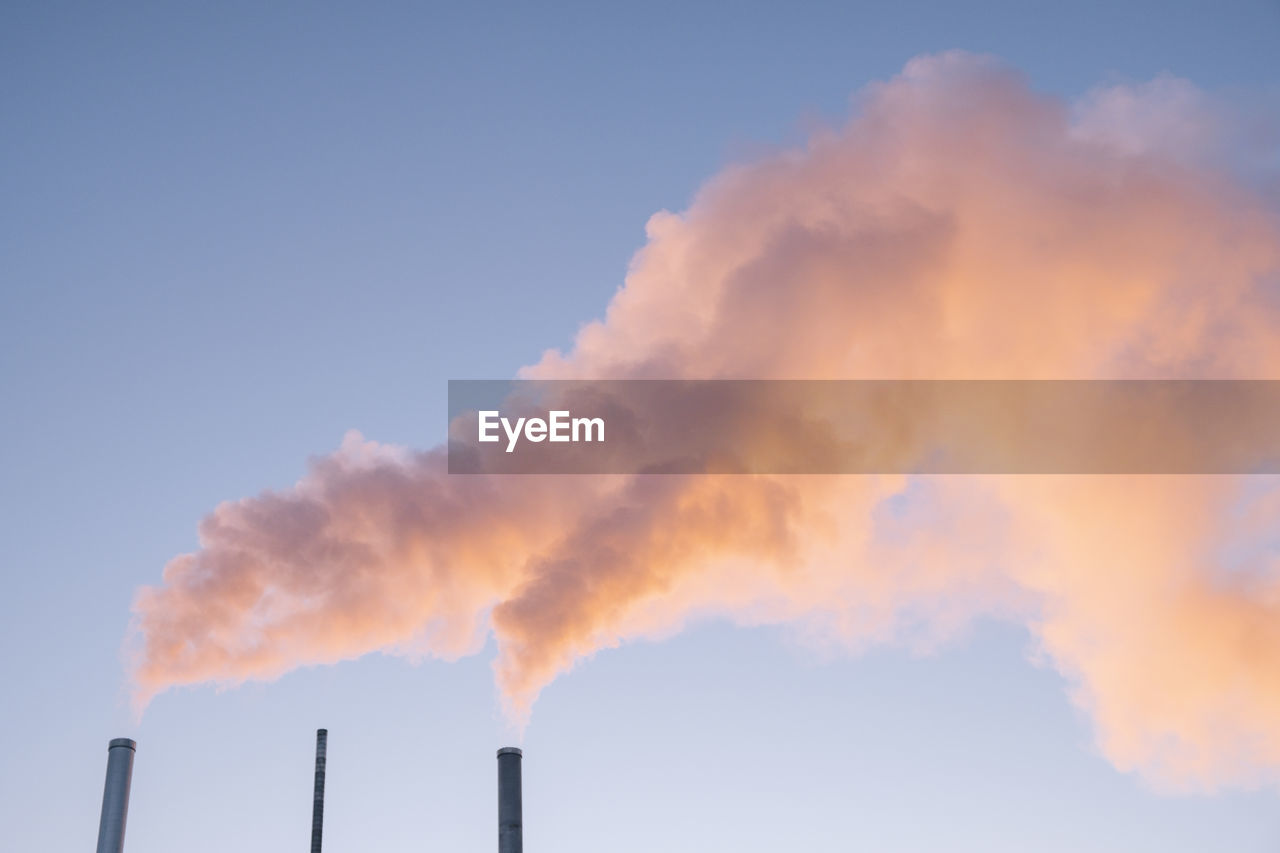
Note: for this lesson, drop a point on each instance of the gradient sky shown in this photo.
(230, 234)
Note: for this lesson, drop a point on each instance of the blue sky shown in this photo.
(228, 235)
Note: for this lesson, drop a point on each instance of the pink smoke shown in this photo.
(959, 226)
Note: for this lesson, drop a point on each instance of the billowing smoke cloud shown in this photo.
(959, 226)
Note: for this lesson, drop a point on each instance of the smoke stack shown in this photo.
(317, 807)
(115, 795)
(510, 825)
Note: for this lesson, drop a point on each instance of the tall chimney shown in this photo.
(510, 824)
(115, 795)
(317, 806)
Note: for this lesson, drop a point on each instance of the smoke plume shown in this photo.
(958, 226)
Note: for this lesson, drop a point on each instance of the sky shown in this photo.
(230, 235)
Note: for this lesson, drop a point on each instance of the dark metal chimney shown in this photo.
(115, 795)
(510, 825)
(317, 807)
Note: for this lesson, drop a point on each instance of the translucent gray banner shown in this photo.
(864, 427)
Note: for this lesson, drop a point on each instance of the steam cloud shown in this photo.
(959, 226)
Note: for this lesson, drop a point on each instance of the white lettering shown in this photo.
(587, 424)
(488, 422)
(560, 427)
(513, 435)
